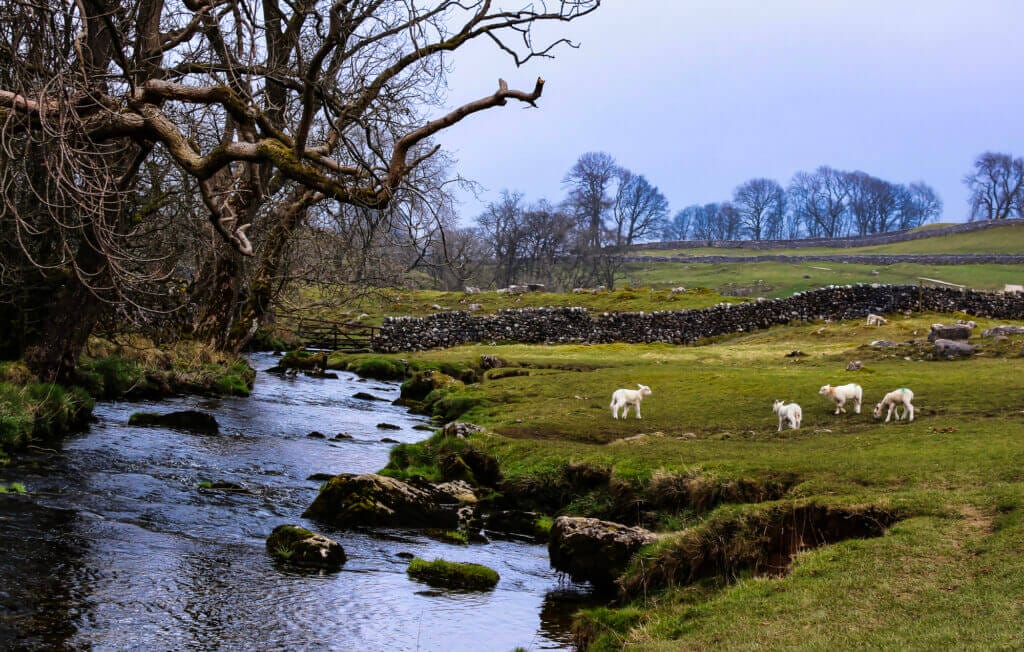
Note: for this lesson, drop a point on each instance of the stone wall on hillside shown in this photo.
(577, 325)
(853, 241)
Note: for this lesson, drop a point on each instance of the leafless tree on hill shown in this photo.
(997, 187)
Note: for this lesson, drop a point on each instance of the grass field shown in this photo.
(998, 240)
(948, 573)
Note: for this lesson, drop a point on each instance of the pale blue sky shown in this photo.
(701, 96)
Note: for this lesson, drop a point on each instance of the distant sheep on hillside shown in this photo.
(893, 400)
(876, 320)
(791, 414)
(843, 393)
(623, 398)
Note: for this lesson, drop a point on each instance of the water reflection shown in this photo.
(116, 548)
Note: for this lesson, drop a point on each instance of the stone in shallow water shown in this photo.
(296, 545)
(192, 420)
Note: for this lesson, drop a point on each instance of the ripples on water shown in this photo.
(115, 548)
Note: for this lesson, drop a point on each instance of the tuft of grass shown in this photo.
(12, 488)
(448, 574)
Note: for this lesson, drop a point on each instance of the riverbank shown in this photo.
(124, 524)
(707, 470)
(130, 367)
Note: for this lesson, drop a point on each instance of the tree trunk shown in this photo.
(264, 285)
(67, 320)
(216, 295)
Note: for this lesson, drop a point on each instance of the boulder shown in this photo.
(192, 420)
(296, 545)
(461, 429)
(594, 550)
(949, 332)
(349, 500)
(953, 348)
(491, 362)
(1003, 330)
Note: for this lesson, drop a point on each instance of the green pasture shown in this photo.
(781, 279)
(948, 573)
(1007, 239)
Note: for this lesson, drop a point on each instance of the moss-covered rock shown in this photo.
(594, 550)
(447, 574)
(296, 545)
(349, 500)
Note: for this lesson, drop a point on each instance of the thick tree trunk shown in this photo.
(67, 322)
(216, 295)
(265, 281)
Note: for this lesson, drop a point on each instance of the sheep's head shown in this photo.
(644, 390)
(825, 390)
(878, 411)
(776, 406)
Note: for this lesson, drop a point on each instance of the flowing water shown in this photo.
(115, 547)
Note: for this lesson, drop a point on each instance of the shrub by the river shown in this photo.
(455, 575)
(40, 410)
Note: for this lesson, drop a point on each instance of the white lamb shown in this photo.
(877, 320)
(843, 393)
(893, 400)
(623, 398)
(791, 414)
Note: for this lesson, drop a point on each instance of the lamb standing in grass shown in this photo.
(877, 320)
(788, 413)
(843, 393)
(893, 400)
(623, 398)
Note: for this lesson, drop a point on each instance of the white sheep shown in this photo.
(623, 398)
(876, 320)
(843, 393)
(788, 413)
(893, 400)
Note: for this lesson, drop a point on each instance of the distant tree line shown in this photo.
(825, 203)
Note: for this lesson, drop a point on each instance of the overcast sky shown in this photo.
(700, 96)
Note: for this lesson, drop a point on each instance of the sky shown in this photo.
(700, 96)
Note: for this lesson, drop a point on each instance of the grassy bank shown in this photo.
(128, 368)
(707, 458)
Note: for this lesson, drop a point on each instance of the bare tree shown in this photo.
(504, 228)
(715, 221)
(268, 108)
(873, 204)
(997, 187)
(678, 228)
(761, 204)
(819, 199)
(919, 205)
(590, 182)
(639, 209)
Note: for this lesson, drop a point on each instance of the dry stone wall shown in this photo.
(577, 325)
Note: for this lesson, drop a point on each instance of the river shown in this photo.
(114, 546)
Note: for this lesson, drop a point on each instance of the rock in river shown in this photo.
(296, 545)
(193, 420)
(594, 550)
(349, 500)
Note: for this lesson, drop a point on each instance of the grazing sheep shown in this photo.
(623, 398)
(843, 393)
(893, 400)
(788, 413)
(876, 320)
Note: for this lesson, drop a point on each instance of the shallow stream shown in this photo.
(115, 547)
